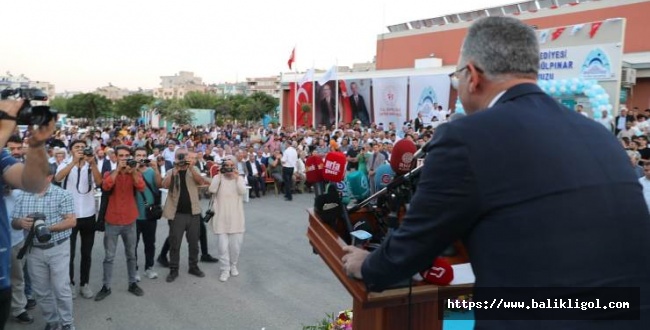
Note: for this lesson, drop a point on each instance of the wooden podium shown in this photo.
(388, 309)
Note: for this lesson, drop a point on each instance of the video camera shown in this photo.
(131, 163)
(145, 162)
(38, 230)
(226, 169)
(28, 115)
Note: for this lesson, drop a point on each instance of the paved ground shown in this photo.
(282, 284)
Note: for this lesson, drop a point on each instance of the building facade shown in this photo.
(268, 85)
(178, 85)
(406, 43)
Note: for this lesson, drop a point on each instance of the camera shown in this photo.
(88, 151)
(131, 162)
(27, 115)
(227, 169)
(208, 215)
(180, 160)
(145, 162)
(41, 231)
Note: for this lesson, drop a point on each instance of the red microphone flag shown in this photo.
(401, 159)
(441, 273)
(334, 170)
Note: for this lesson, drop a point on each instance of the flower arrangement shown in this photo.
(340, 321)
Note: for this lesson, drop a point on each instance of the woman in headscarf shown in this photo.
(228, 189)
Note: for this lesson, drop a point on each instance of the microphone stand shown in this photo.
(390, 187)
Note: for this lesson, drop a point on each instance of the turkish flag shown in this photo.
(292, 58)
(344, 103)
(594, 28)
(297, 99)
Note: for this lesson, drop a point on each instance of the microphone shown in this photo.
(384, 175)
(334, 170)
(358, 185)
(401, 159)
(441, 273)
(314, 173)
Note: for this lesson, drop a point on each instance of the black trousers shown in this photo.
(147, 229)
(86, 229)
(5, 306)
(203, 242)
(287, 178)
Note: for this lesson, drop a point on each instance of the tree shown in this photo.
(59, 104)
(130, 105)
(88, 105)
(265, 104)
(174, 111)
(199, 100)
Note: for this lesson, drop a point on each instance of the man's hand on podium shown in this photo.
(353, 259)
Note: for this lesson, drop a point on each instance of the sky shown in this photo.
(82, 45)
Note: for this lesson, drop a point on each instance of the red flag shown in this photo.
(594, 28)
(344, 103)
(557, 33)
(297, 99)
(292, 58)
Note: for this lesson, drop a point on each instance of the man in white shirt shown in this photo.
(169, 154)
(289, 159)
(645, 183)
(606, 120)
(80, 175)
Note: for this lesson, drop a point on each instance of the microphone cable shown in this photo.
(409, 302)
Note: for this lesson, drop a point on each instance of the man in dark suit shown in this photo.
(568, 213)
(358, 105)
(327, 107)
(622, 119)
(255, 175)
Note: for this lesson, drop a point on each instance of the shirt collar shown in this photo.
(496, 99)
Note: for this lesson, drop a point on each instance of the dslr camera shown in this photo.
(145, 162)
(88, 151)
(181, 160)
(27, 115)
(131, 163)
(226, 169)
(38, 230)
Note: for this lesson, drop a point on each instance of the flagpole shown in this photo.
(295, 101)
(336, 92)
(313, 95)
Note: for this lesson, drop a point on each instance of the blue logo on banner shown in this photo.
(596, 66)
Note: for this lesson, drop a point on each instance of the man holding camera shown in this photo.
(29, 177)
(183, 210)
(79, 175)
(48, 216)
(147, 227)
(120, 218)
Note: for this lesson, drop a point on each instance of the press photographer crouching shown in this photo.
(48, 217)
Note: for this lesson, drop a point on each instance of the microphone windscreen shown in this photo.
(383, 176)
(314, 169)
(358, 185)
(401, 157)
(334, 169)
(441, 273)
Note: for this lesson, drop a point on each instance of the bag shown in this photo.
(153, 212)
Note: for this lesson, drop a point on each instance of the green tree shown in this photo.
(60, 104)
(130, 105)
(199, 100)
(88, 105)
(264, 103)
(174, 111)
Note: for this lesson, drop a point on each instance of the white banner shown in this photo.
(586, 62)
(424, 93)
(389, 98)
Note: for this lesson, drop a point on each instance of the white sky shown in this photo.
(81, 45)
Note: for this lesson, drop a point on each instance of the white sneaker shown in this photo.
(137, 277)
(224, 276)
(86, 292)
(150, 273)
(73, 288)
(234, 271)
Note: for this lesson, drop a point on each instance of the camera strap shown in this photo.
(4, 115)
(65, 181)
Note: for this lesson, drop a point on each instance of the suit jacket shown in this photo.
(249, 168)
(325, 118)
(105, 166)
(372, 165)
(541, 197)
(359, 110)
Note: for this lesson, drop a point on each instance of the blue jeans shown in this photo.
(128, 234)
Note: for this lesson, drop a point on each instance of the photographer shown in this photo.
(147, 227)
(49, 256)
(79, 175)
(228, 221)
(121, 214)
(183, 210)
(27, 177)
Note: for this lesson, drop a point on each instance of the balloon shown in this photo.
(552, 90)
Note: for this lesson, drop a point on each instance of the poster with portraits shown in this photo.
(325, 104)
(357, 94)
(424, 94)
(389, 97)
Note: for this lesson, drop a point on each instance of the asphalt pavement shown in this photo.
(282, 284)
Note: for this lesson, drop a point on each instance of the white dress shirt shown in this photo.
(290, 157)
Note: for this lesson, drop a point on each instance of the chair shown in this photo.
(268, 180)
(214, 170)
